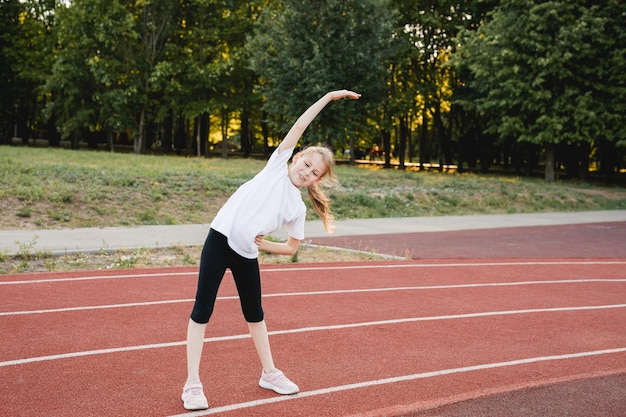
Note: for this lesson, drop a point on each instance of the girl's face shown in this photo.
(307, 169)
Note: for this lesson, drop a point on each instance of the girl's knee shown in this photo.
(201, 315)
(253, 316)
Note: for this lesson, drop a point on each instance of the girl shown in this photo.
(262, 205)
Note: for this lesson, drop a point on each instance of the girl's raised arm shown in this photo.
(307, 117)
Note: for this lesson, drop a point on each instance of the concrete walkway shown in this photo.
(65, 241)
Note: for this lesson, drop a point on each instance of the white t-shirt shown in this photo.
(261, 206)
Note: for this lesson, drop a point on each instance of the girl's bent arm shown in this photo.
(311, 113)
(288, 248)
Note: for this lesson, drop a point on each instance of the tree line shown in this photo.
(513, 83)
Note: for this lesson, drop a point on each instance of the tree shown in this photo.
(26, 37)
(111, 65)
(540, 72)
(235, 79)
(301, 49)
(10, 31)
(148, 67)
(90, 81)
(183, 77)
(424, 82)
(611, 142)
(107, 65)
(156, 23)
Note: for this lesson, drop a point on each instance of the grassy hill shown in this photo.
(57, 188)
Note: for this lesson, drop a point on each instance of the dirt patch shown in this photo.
(150, 258)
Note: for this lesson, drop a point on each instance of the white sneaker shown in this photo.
(193, 397)
(278, 382)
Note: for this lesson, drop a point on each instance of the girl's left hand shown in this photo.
(258, 240)
(339, 94)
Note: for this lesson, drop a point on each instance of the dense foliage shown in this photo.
(477, 83)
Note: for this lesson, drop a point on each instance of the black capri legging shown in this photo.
(216, 257)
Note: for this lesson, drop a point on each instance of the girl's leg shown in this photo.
(271, 378)
(261, 340)
(193, 395)
(212, 269)
(248, 281)
(195, 342)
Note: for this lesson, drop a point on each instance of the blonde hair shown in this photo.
(319, 200)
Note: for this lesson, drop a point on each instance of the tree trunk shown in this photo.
(139, 137)
(549, 170)
(387, 147)
(244, 134)
(109, 133)
(422, 139)
(584, 160)
(224, 134)
(402, 142)
(180, 139)
(198, 137)
(444, 137)
(266, 134)
(76, 136)
(409, 139)
(352, 150)
(168, 127)
(205, 129)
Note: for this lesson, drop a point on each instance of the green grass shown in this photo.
(51, 188)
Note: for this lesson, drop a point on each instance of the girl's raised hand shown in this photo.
(339, 94)
(305, 118)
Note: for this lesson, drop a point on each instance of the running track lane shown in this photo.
(386, 338)
(592, 240)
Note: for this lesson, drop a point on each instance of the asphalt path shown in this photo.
(66, 241)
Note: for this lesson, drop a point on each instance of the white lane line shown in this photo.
(97, 277)
(397, 379)
(310, 293)
(101, 307)
(310, 329)
(320, 268)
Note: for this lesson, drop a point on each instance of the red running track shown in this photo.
(442, 337)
